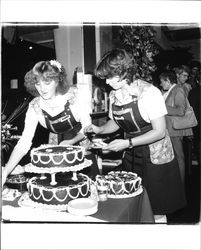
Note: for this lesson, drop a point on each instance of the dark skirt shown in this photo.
(163, 181)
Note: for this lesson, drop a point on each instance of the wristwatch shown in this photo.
(130, 143)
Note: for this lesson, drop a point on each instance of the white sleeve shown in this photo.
(82, 108)
(30, 124)
(152, 104)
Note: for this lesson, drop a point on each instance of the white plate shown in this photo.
(82, 206)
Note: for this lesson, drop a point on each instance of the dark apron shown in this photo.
(130, 121)
(63, 124)
(162, 181)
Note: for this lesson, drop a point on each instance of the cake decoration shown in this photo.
(59, 182)
(41, 190)
(122, 184)
(48, 156)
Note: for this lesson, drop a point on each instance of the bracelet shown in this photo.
(130, 143)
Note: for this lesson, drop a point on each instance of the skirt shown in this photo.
(162, 181)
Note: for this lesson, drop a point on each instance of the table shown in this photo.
(125, 210)
(130, 210)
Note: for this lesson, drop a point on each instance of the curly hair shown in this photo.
(117, 62)
(46, 71)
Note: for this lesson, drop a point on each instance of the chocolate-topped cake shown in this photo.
(122, 183)
(50, 156)
(59, 182)
(65, 189)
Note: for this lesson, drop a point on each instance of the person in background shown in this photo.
(56, 106)
(175, 99)
(194, 100)
(194, 78)
(182, 73)
(138, 108)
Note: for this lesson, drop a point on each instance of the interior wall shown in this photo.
(69, 48)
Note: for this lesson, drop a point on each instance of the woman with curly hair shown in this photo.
(139, 109)
(56, 106)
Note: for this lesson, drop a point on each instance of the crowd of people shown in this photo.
(152, 147)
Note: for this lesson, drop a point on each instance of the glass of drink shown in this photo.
(102, 186)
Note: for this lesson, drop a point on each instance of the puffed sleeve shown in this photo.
(30, 124)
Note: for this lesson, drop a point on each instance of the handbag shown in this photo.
(187, 121)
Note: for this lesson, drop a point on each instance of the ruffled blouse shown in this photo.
(80, 105)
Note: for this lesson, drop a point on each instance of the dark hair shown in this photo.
(47, 71)
(169, 75)
(117, 62)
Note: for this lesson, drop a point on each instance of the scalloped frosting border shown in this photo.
(34, 169)
(26, 201)
(123, 191)
(121, 196)
(86, 182)
(38, 155)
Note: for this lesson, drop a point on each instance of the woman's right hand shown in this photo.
(92, 129)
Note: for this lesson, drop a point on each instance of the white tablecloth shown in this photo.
(37, 214)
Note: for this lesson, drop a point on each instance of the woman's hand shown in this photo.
(66, 143)
(92, 129)
(85, 143)
(118, 145)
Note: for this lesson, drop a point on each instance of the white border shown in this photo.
(86, 236)
(105, 11)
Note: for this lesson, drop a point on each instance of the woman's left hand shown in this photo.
(118, 145)
(66, 142)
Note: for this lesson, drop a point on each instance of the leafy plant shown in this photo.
(139, 40)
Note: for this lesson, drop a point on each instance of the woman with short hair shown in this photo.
(139, 109)
(56, 106)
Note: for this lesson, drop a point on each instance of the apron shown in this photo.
(63, 124)
(161, 179)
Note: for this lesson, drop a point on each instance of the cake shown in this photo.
(17, 182)
(58, 182)
(121, 183)
(41, 191)
(52, 156)
(99, 143)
